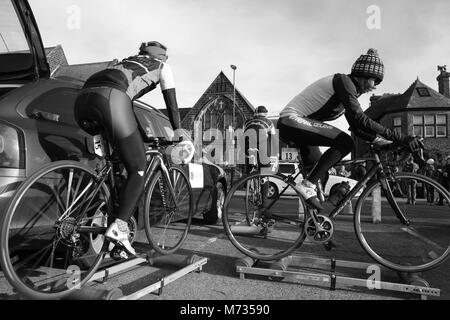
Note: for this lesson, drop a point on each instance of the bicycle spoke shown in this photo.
(44, 223)
(264, 229)
(168, 215)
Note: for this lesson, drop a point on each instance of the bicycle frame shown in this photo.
(106, 175)
(376, 169)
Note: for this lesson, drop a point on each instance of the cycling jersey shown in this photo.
(136, 76)
(331, 97)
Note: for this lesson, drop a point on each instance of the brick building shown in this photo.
(55, 57)
(223, 109)
(419, 111)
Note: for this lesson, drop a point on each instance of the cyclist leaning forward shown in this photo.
(301, 121)
(106, 98)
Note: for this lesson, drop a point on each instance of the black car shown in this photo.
(37, 124)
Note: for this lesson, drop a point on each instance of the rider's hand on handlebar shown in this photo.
(379, 141)
(413, 143)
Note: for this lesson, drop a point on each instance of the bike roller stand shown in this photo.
(412, 283)
(186, 263)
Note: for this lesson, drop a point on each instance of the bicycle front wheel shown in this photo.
(419, 245)
(47, 244)
(168, 216)
(263, 228)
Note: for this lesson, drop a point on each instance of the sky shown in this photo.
(278, 46)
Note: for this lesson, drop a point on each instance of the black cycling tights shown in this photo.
(308, 135)
(113, 111)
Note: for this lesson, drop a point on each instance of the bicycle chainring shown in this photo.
(321, 233)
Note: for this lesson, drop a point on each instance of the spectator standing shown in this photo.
(411, 184)
(259, 155)
(430, 171)
(342, 172)
(446, 174)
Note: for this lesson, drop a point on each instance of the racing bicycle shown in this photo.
(407, 239)
(52, 235)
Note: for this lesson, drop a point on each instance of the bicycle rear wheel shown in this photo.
(419, 246)
(276, 225)
(46, 251)
(167, 218)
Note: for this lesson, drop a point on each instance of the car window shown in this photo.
(151, 122)
(15, 52)
(54, 105)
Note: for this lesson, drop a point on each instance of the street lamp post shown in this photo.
(234, 93)
(233, 120)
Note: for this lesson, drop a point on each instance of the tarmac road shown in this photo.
(218, 279)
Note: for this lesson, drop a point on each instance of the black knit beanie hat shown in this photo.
(369, 66)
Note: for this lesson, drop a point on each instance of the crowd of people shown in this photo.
(438, 170)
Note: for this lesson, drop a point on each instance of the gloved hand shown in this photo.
(413, 143)
(380, 141)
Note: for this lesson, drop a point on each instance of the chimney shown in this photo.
(444, 81)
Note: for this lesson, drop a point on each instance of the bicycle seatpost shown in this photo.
(320, 193)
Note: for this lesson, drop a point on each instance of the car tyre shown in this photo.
(214, 215)
(273, 190)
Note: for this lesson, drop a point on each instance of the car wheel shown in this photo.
(213, 215)
(273, 190)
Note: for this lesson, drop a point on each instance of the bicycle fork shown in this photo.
(156, 163)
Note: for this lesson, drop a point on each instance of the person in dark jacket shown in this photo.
(430, 172)
(302, 121)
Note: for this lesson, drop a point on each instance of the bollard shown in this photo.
(376, 205)
(172, 260)
(91, 293)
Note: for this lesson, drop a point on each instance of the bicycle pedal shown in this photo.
(118, 254)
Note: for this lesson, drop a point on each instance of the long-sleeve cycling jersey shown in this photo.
(331, 97)
(138, 75)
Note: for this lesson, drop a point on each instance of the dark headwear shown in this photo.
(369, 66)
(261, 110)
(154, 49)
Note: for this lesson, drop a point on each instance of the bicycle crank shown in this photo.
(319, 232)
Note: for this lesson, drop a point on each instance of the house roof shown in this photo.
(55, 57)
(80, 72)
(411, 99)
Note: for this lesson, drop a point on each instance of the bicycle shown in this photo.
(273, 231)
(52, 235)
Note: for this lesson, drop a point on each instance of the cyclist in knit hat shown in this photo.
(302, 120)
